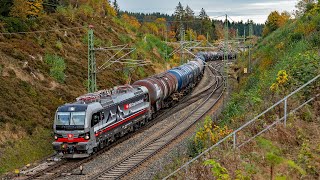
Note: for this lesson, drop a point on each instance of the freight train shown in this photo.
(97, 119)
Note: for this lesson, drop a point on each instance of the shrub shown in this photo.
(59, 45)
(86, 10)
(13, 24)
(57, 67)
(124, 38)
(69, 12)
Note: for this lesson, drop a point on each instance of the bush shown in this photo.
(59, 45)
(124, 38)
(13, 24)
(57, 67)
(86, 10)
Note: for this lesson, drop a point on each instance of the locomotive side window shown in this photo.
(95, 119)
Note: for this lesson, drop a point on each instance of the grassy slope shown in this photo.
(294, 150)
(29, 96)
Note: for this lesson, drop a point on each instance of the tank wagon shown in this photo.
(216, 55)
(95, 120)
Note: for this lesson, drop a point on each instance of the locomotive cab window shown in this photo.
(70, 118)
(96, 117)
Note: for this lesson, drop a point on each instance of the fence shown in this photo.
(233, 135)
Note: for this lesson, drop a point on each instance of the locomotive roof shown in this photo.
(104, 99)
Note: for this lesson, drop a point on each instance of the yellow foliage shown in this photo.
(110, 10)
(131, 20)
(190, 35)
(266, 62)
(280, 46)
(161, 20)
(172, 35)
(210, 134)
(282, 77)
(274, 21)
(25, 8)
(281, 80)
(151, 27)
(201, 38)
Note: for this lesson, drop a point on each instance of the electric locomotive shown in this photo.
(97, 119)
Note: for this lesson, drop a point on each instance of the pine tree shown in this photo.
(5, 7)
(179, 13)
(116, 6)
(189, 13)
(203, 15)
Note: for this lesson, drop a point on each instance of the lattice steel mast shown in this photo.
(92, 67)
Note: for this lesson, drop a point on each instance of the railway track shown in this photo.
(63, 167)
(136, 158)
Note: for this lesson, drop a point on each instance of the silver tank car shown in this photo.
(97, 119)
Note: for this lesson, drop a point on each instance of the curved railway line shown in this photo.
(130, 162)
(136, 158)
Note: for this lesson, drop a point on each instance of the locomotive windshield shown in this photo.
(71, 118)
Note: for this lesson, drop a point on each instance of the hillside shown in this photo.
(40, 71)
(282, 61)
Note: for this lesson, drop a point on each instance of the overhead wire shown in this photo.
(44, 31)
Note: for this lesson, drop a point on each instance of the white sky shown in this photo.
(257, 11)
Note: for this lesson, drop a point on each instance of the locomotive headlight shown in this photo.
(55, 137)
(87, 137)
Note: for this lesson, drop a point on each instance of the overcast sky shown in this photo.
(238, 10)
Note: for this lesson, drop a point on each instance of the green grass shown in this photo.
(57, 66)
(24, 151)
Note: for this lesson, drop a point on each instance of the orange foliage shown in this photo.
(131, 20)
(172, 35)
(26, 9)
(110, 10)
(274, 21)
(201, 38)
(151, 28)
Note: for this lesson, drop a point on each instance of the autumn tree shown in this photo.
(304, 6)
(284, 17)
(162, 25)
(190, 35)
(110, 10)
(219, 30)
(131, 20)
(274, 21)
(26, 9)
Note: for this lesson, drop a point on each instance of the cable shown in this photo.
(230, 18)
(44, 31)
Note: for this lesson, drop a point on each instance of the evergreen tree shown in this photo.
(189, 13)
(5, 7)
(179, 13)
(116, 6)
(203, 15)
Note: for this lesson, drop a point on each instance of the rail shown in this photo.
(234, 133)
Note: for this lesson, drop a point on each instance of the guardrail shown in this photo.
(234, 133)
